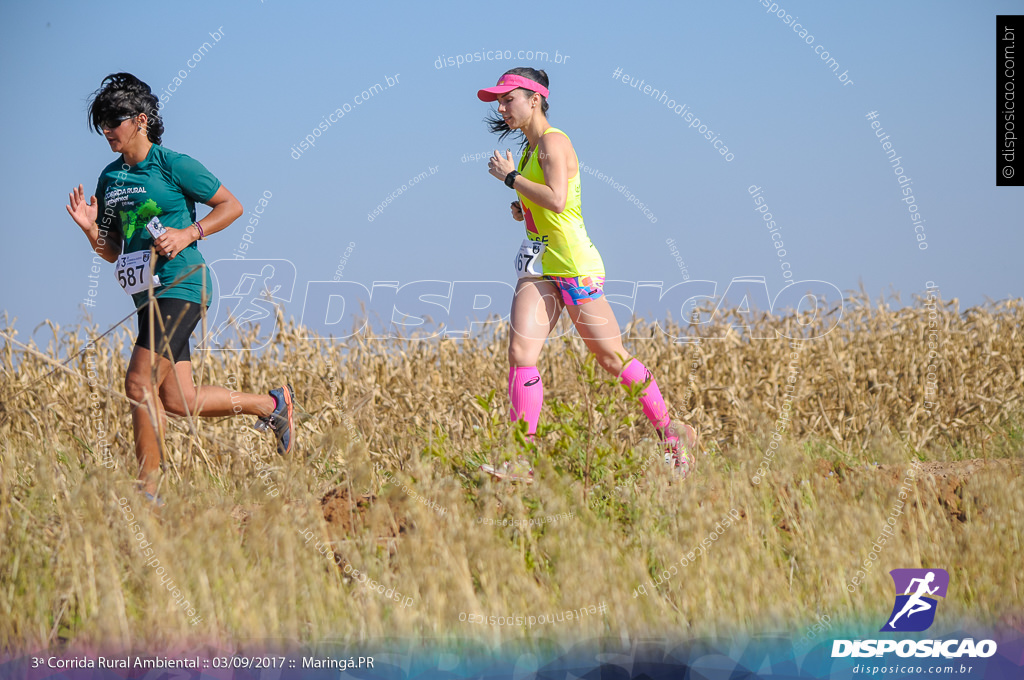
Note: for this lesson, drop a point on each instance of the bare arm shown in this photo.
(105, 242)
(556, 155)
(225, 210)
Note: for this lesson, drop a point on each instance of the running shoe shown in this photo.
(282, 419)
(680, 442)
(154, 499)
(518, 470)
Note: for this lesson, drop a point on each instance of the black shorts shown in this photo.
(174, 320)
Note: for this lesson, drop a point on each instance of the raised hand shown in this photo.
(499, 167)
(82, 212)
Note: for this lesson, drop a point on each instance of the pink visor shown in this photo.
(507, 83)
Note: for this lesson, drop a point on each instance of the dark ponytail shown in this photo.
(120, 95)
(498, 124)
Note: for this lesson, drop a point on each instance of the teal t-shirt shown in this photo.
(168, 185)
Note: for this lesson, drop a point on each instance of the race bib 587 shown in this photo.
(134, 272)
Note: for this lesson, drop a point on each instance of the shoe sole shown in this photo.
(690, 448)
(501, 475)
(691, 467)
(290, 408)
(155, 500)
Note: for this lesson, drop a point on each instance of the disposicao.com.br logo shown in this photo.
(914, 609)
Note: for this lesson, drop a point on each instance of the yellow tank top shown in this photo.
(569, 251)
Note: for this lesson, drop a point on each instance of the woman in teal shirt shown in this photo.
(149, 181)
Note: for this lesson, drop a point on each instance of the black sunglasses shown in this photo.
(112, 123)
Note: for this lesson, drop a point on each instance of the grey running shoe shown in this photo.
(282, 420)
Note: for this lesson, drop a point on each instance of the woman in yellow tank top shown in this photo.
(559, 267)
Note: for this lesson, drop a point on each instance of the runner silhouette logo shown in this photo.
(917, 593)
(250, 291)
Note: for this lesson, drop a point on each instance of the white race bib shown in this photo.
(529, 259)
(134, 272)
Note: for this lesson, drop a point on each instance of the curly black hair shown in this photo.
(122, 95)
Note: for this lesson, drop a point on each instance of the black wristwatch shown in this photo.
(510, 179)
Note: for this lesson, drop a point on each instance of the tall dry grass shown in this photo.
(428, 412)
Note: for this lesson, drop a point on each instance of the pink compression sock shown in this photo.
(526, 392)
(651, 401)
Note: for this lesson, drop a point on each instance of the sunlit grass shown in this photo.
(430, 412)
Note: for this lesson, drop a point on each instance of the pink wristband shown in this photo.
(202, 236)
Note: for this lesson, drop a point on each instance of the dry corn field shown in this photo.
(379, 523)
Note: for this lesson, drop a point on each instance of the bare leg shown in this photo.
(180, 396)
(146, 370)
(535, 310)
(596, 324)
(155, 386)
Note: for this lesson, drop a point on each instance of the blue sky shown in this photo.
(793, 128)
